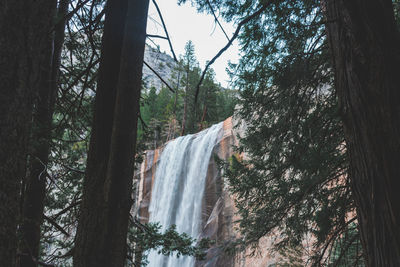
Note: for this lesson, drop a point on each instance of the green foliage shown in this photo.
(70, 136)
(163, 112)
(346, 249)
(293, 179)
(148, 236)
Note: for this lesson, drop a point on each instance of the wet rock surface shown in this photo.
(218, 209)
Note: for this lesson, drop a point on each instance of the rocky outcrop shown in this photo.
(162, 63)
(218, 209)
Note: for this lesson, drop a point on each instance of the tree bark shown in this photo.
(365, 46)
(34, 191)
(25, 30)
(102, 229)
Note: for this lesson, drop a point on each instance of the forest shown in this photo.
(315, 96)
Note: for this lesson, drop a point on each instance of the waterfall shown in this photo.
(178, 189)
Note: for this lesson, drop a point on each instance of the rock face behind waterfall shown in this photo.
(218, 210)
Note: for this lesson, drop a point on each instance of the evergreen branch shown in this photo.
(158, 75)
(79, 77)
(334, 236)
(165, 30)
(345, 249)
(235, 35)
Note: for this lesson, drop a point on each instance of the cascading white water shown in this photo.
(178, 189)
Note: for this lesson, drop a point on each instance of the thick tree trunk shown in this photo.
(34, 191)
(102, 230)
(89, 237)
(25, 30)
(366, 51)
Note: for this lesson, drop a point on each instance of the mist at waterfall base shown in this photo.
(179, 188)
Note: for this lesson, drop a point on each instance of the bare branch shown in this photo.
(236, 33)
(76, 203)
(56, 225)
(166, 32)
(156, 36)
(158, 75)
(216, 19)
(73, 169)
(68, 16)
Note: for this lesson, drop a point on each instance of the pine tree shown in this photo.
(191, 76)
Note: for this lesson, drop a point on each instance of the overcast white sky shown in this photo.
(183, 24)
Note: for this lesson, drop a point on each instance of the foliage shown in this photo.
(293, 178)
(70, 136)
(163, 112)
(147, 237)
(349, 241)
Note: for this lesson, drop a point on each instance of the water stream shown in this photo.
(179, 187)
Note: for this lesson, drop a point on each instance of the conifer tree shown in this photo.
(293, 179)
(286, 39)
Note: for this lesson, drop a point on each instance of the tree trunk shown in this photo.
(34, 192)
(366, 52)
(25, 27)
(184, 119)
(102, 230)
(183, 130)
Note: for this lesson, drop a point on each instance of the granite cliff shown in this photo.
(162, 63)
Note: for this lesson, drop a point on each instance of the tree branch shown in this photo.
(56, 225)
(142, 121)
(216, 19)
(158, 75)
(78, 202)
(156, 36)
(68, 16)
(236, 33)
(165, 29)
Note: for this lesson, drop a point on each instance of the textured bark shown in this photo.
(25, 29)
(102, 229)
(366, 51)
(34, 191)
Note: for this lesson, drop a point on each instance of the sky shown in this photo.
(184, 24)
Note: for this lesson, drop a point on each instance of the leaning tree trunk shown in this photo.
(102, 229)
(366, 51)
(25, 27)
(35, 184)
